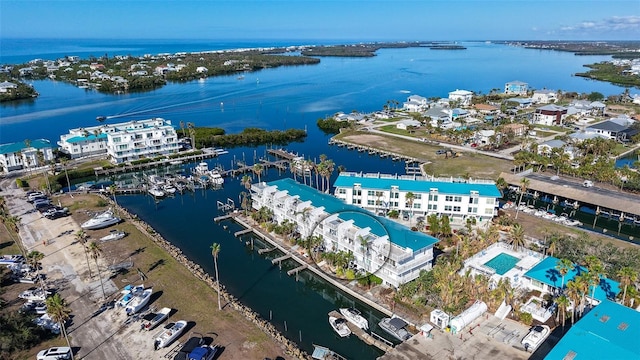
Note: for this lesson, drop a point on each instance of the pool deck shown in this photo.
(528, 259)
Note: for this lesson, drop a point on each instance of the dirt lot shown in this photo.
(110, 334)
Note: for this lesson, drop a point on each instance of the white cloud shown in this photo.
(614, 24)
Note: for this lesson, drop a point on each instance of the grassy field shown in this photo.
(466, 164)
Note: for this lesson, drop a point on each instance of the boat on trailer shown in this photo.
(159, 317)
(167, 336)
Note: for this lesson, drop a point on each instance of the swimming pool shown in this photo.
(502, 263)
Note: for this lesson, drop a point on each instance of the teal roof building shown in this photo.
(608, 331)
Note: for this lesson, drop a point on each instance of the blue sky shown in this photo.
(329, 20)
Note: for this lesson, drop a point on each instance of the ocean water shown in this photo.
(286, 97)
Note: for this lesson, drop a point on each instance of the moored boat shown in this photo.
(395, 327)
(324, 353)
(535, 337)
(101, 220)
(167, 336)
(355, 317)
(156, 192)
(340, 326)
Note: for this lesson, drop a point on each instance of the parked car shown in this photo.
(41, 204)
(441, 152)
(55, 353)
(35, 198)
(587, 183)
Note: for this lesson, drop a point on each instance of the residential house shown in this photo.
(580, 136)
(516, 88)
(484, 137)
(415, 103)
(486, 109)
(544, 96)
(546, 278)
(521, 103)
(516, 129)
(392, 251)
(463, 97)
(438, 115)
(24, 155)
(619, 129)
(546, 148)
(201, 70)
(7, 87)
(459, 199)
(123, 142)
(407, 124)
(608, 331)
(549, 115)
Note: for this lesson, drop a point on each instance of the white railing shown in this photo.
(419, 178)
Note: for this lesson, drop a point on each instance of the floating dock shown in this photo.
(371, 339)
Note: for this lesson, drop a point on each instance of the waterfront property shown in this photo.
(546, 278)
(123, 142)
(549, 115)
(464, 97)
(608, 331)
(24, 155)
(516, 88)
(459, 199)
(391, 251)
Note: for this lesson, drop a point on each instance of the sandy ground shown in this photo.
(110, 334)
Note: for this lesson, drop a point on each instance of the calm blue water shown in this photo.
(282, 98)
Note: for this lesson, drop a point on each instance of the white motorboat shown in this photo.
(114, 235)
(201, 169)
(156, 192)
(159, 317)
(535, 337)
(11, 259)
(204, 352)
(340, 326)
(46, 322)
(34, 295)
(166, 336)
(138, 301)
(169, 189)
(215, 177)
(128, 293)
(324, 353)
(38, 307)
(572, 222)
(100, 221)
(355, 317)
(395, 327)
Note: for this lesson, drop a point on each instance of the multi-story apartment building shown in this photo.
(460, 199)
(516, 88)
(390, 250)
(24, 155)
(123, 142)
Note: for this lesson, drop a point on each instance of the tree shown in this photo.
(596, 270)
(627, 276)
(524, 183)
(516, 237)
(410, 197)
(82, 237)
(564, 266)
(563, 304)
(246, 182)
(64, 162)
(215, 251)
(257, 169)
(192, 134)
(34, 257)
(96, 252)
(113, 188)
(59, 312)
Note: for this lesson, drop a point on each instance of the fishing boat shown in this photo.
(34, 295)
(169, 189)
(159, 317)
(201, 169)
(114, 235)
(128, 293)
(339, 325)
(138, 301)
(101, 220)
(156, 192)
(216, 178)
(166, 336)
(535, 337)
(204, 352)
(324, 353)
(395, 327)
(355, 317)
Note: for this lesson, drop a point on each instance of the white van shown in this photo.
(587, 183)
(55, 353)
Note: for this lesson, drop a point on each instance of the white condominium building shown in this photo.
(385, 248)
(460, 199)
(123, 142)
(24, 155)
(464, 97)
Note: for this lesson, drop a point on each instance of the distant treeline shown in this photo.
(331, 125)
(216, 137)
(606, 71)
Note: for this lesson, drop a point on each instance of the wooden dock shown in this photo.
(283, 154)
(375, 151)
(376, 340)
(297, 270)
(242, 232)
(281, 259)
(153, 164)
(222, 218)
(265, 250)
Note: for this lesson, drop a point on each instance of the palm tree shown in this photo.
(82, 237)
(41, 162)
(524, 183)
(59, 312)
(596, 270)
(564, 266)
(627, 276)
(410, 198)
(563, 303)
(516, 237)
(182, 128)
(257, 169)
(215, 251)
(64, 161)
(34, 257)
(112, 190)
(96, 252)
(552, 246)
(246, 182)
(573, 293)
(192, 134)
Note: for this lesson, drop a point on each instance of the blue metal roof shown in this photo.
(547, 273)
(423, 186)
(89, 137)
(398, 234)
(608, 331)
(19, 146)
